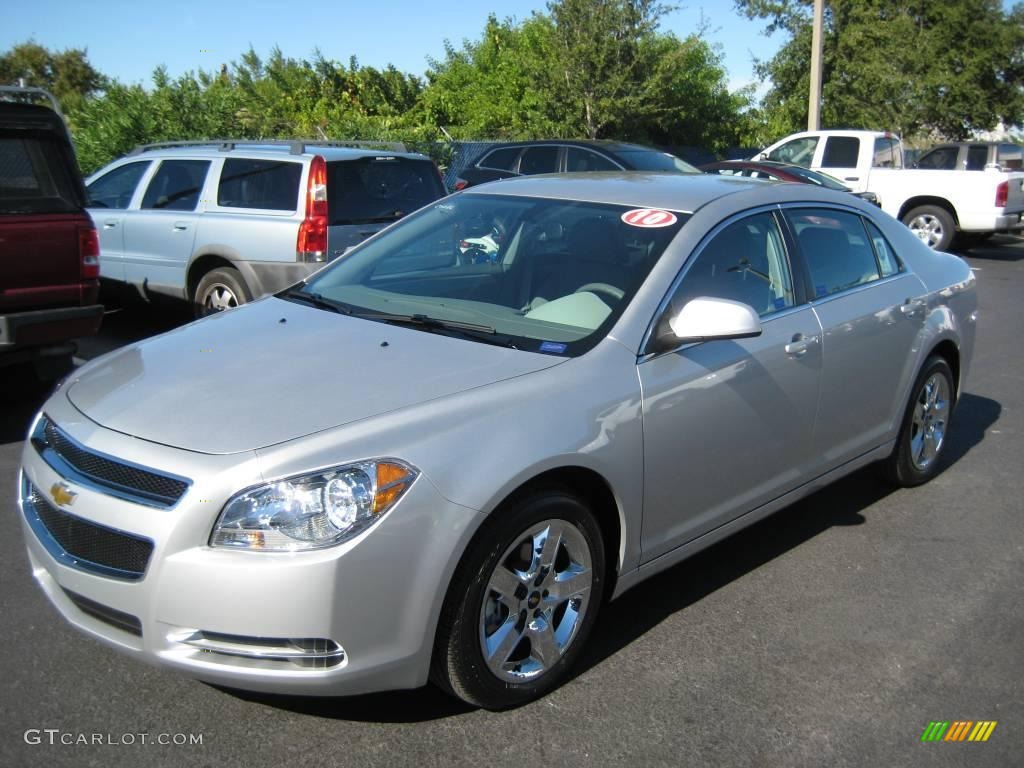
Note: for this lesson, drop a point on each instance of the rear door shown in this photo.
(841, 157)
(158, 238)
(871, 310)
(110, 197)
(366, 194)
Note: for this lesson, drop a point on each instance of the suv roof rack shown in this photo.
(295, 146)
(23, 93)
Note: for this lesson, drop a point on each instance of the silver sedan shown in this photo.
(416, 466)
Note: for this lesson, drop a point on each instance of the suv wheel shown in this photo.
(220, 289)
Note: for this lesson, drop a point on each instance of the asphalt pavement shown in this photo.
(830, 634)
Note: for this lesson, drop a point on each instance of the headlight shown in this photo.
(312, 511)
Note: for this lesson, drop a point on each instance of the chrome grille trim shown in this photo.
(105, 474)
(81, 544)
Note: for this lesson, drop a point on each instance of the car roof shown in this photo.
(270, 151)
(604, 144)
(684, 192)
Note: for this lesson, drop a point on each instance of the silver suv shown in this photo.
(219, 223)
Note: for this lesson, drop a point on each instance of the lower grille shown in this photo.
(117, 619)
(83, 544)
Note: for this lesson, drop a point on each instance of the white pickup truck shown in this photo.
(936, 205)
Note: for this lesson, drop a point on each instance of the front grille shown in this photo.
(83, 544)
(115, 618)
(121, 478)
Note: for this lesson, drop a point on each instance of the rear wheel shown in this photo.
(522, 603)
(220, 289)
(922, 438)
(933, 225)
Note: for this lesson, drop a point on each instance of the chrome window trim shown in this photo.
(61, 466)
(688, 264)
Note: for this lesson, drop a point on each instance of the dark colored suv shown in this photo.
(524, 158)
(49, 250)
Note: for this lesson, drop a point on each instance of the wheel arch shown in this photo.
(919, 200)
(948, 351)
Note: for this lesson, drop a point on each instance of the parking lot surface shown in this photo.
(831, 633)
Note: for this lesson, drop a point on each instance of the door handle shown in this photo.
(180, 226)
(800, 345)
(851, 178)
(912, 307)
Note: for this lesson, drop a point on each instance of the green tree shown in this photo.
(67, 74)
(914, 67)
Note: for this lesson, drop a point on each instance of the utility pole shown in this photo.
(814, 105)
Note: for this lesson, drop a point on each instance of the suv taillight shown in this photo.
(88, 253)
(311, 244)
(1002, 193)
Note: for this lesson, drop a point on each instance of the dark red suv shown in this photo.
(49, 251)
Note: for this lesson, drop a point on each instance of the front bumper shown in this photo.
(350, 619)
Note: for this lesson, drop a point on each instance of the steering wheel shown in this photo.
(605, 288)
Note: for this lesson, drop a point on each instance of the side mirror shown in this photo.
(708, 319)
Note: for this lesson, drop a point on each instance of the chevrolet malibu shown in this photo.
(415, 467)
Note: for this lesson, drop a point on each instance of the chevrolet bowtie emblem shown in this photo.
(62, 495)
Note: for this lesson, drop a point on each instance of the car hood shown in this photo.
(273, 371)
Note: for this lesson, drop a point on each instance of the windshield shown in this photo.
(535, 274)
(649, 160)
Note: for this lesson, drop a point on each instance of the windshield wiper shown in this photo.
(317, 300)
(476, 331)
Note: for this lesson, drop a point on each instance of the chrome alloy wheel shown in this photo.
(928, 427)
(535, 601)
(928, 229)
(219, 297)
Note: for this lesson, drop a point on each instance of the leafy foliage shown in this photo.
(913, 66)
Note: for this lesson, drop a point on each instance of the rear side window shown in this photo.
(835, 249)
(501, 159)
(977, 157)
(941, 159)
(841, 152)
(378, 190)
(176, 185)
(887, 259)
(269, 185)
(539, 160)
(115, 188)
(584, 160)
(34, 177)
(887, 153)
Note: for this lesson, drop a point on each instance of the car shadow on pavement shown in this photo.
(648, 604)
(23, 397)
(996, 249)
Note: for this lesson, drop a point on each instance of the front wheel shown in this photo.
(522, 602)
(922, 438)
(933, 225)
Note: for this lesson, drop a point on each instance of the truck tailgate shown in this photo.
(39, 260)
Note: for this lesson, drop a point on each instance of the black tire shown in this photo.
(933, 224)
(903, 468)
(458, 663)
(219, 289)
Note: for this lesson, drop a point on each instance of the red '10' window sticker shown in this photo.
(649, 218)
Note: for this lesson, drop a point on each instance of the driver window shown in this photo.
(798, 151)
(744, 262)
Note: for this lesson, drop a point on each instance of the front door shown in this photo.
(728, 425)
